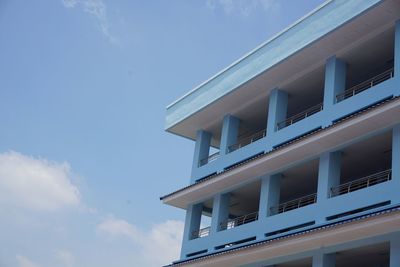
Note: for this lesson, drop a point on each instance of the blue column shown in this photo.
(277, 109)
(230, 130)
(269, 195)
(202, 147)
(192, 222)
(328, 174)
(397, 49)
(396, 158)
(335, 80)
(323, 260)
(395, 251)
(220, 212)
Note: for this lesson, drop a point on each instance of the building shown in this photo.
(297, 147)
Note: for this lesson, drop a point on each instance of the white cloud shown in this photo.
(243, 7)
(66, 258)
(165, 238)
(98, 10)
(35, 183)
(25, 262)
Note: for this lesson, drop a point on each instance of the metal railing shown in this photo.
(209, 159)
(361, 183)
(298, 117)
(201, 233)
(247, 140)
(295, 204)
(386, 75)
(232, 223)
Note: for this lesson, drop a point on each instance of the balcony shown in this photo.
(247, 140)
(295, 204)
(209, 159)
(232, 223)
(201, 233)
(361, 183)
(386, 75)
(300, 116)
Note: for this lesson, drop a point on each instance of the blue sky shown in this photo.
(84, 86)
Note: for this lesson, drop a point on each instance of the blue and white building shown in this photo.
(297, 147)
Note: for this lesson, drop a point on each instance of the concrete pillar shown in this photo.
(396, 157)
(335, 80)
(277, 109)
(220, 212)
(324, 260)
(397, 49)
(270, 194)
(192, 220)
(328, 174)
(230, 130)
(202, 147)
(395, 251)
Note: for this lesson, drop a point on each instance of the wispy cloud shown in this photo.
(243, 7)
(25, 262)
(35, 183)
(98, 10)
(165, 238)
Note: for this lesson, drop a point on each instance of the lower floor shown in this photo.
(368, 241)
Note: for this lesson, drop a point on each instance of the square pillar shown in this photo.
(328, 174)
(270, 194)
(192, 220)
(397, 48)
(201, 148)
(324, 260)
(230, 130)
(220, 212)
(335, 80)
(395, 251)
(277, 109)
(396, 161)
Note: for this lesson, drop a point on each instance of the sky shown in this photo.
(83, 89)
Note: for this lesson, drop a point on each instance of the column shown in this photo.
(323, 260)
(335, 80)
(270, 194)
(192, 220)
(328, 174)
(220, 212)
(396, 160)
(230, 130)
(395, 251)
(397, 49)
(202, 147)
(277, 109)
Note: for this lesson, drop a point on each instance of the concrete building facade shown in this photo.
(297, 147)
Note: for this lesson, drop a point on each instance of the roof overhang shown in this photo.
(332, 29)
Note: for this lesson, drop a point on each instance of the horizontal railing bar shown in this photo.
(244, 219)
(295, 203)
(365, 85)
(210, 158)
(300, 116)
(247, 140)
(360, 183)
(201, 233)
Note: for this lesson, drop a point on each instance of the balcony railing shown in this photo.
(201, 233)
(295, 204)
(247, 140)
(361, 183)
(209, 159)
(232, 223)
(298, 117)
(365, 85)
